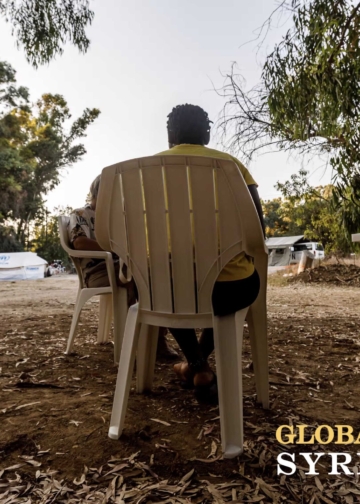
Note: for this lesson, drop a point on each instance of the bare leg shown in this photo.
(206, 342)
(196, 369)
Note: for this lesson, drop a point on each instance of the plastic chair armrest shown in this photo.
(89, 253)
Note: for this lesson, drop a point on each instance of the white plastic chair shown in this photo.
(176, 221)
(113, 299)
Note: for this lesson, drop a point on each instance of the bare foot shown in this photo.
(189, 378)
(204, 377)
(205, 384)
(183, 372)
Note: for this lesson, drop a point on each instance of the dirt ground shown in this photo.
(55, 409)
(336, 274)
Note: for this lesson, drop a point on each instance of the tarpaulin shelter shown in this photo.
(21, 266)
(280, 253)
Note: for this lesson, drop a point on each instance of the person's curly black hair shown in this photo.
(188, 124)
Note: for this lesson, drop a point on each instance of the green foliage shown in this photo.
(36, 144)
(275, 223)
(320, 213)
(346, 202)
(308, 99)
(42, 27)
(46, 242)
(8, 240)
(10, 95)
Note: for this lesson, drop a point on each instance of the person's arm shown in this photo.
(256, 198)
(85, 243)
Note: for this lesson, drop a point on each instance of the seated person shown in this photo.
(238, 284)
(81, 231)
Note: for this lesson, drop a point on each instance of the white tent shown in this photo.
(280, 249)
(21, 266)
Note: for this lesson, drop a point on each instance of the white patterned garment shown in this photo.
(82, 223)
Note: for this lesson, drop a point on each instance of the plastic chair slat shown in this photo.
(205, 229)
(136, 235)
(182, 250)
(158, 240)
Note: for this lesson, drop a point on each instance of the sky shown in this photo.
(147, 56)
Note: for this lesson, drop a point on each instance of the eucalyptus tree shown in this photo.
(43, 27)
(308, 97)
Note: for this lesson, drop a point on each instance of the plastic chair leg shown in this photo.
(228, 336)
(259, 349)
(105, 317)
(120, 309)
(146, 357)
(257, 322)
(125, 370)
(81, 299)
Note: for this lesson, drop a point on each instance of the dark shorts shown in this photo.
(230, 297)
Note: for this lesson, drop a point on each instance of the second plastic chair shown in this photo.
(110, 297)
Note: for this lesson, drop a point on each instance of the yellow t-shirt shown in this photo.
(241, 266)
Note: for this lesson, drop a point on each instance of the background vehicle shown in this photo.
(314, 247)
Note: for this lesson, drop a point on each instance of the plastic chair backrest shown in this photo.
(176, 221)
(65, 243)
